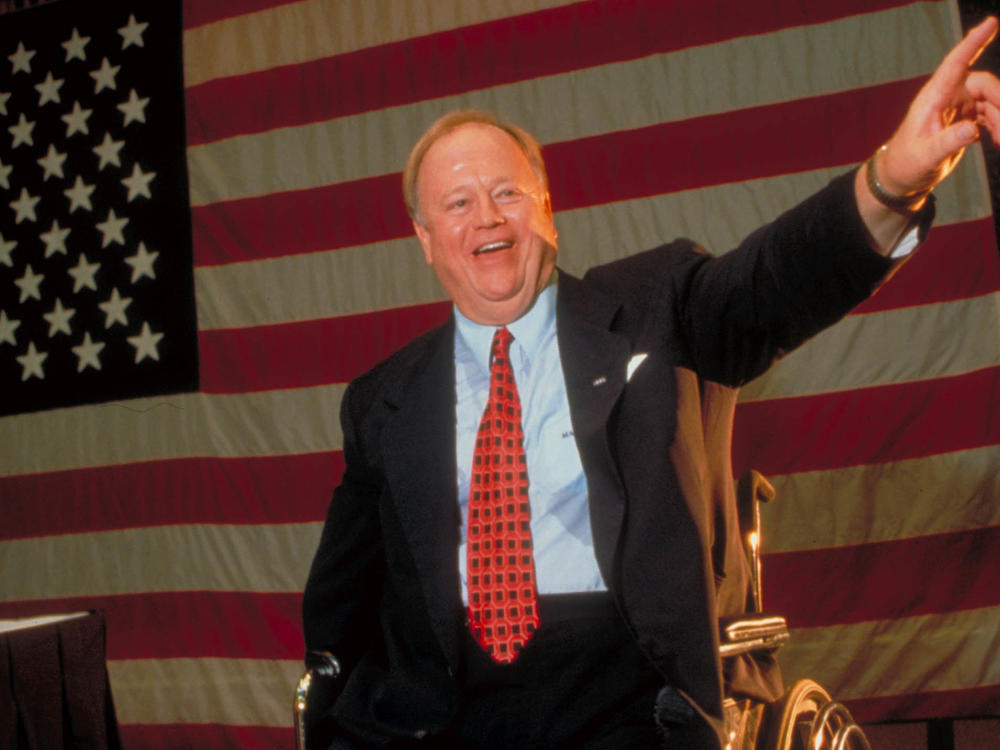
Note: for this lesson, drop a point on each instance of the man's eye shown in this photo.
(460, 203)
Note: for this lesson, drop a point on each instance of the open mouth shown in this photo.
(492, 247)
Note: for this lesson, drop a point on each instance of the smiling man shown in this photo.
(520, 553)
(485, 219)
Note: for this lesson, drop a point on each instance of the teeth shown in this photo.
(491, 246)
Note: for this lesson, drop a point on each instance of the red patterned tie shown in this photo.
(503, 606)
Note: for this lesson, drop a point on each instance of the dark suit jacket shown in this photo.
(383, 593)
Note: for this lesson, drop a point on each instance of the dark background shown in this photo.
(973, 11)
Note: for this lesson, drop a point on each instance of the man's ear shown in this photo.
(425, 240)
(548, 212)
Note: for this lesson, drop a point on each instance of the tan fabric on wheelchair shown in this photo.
(753, 676)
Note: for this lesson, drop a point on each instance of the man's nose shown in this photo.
(489, 213)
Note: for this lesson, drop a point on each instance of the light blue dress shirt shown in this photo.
(557, 487)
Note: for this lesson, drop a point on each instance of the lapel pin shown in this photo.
(600, 381)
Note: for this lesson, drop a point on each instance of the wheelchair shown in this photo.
(804, 718)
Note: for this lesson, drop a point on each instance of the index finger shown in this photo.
(956, 63)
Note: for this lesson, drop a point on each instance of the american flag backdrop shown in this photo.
(202, 241)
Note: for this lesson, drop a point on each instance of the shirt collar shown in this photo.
(530, 330)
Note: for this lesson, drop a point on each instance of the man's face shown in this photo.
(486, 223)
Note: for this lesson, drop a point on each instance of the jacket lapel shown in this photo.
(420, 469)
(594, 361)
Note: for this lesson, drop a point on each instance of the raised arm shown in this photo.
(941, 122)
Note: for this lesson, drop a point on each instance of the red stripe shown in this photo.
(295, 355)
(300, 221)
(868, 425)
(773, 140)
(447, 63)
(188, 624)
(198, 12)
(958, 261)
(971, 702)
(921, 575)
(207, 736)
(249, 490)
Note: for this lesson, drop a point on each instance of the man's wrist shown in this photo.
(905, 204)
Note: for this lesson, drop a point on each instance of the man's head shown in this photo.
(477, 193)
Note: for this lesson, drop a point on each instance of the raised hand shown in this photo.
(943, 119)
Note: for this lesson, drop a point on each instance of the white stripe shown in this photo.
(256, 424)
(314, 29)
(908, 655)
(910, 343)
(903, 499)
(260, 558)
(745, 72)
(383, 275)
(249, 692)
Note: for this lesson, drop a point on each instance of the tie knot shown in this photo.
(501, 343)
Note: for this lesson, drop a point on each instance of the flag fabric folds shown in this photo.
(189, 511)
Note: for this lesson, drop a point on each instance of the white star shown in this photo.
(29, 284)
(74, 46)
(58, 319)
(4, 96)
(79, 195)
(112, 228)
(108, 151)
(4, 175)
(6, 247)
(145, 344)
(48, 90)
(114, 309)
(31, 361)
(22, 132)
(25, 206)
(7, 328)
(134, 108)
(104, 76)
(132, 33)
(52, 163)
(83, 274)
(21, 59)
(87, 353)
(142, 263)
(55, 239)
(76, 121)
(138, 183)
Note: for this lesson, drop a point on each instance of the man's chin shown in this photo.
(497, 310)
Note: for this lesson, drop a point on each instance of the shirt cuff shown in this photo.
(916, 233)
(907, 244)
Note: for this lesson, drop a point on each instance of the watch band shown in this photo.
(900, 203)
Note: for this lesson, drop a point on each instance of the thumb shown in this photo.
(944, 149)
(956, 137)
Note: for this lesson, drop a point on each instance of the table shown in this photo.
(54, 688)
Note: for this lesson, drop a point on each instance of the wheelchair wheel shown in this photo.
(790, 719)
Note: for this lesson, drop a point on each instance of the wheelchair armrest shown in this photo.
(743, 634)
(314, 692)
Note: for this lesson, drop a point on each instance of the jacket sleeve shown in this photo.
(728, 317)
(783, 284)
(340, 603)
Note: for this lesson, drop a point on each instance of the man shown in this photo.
(588, 467)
